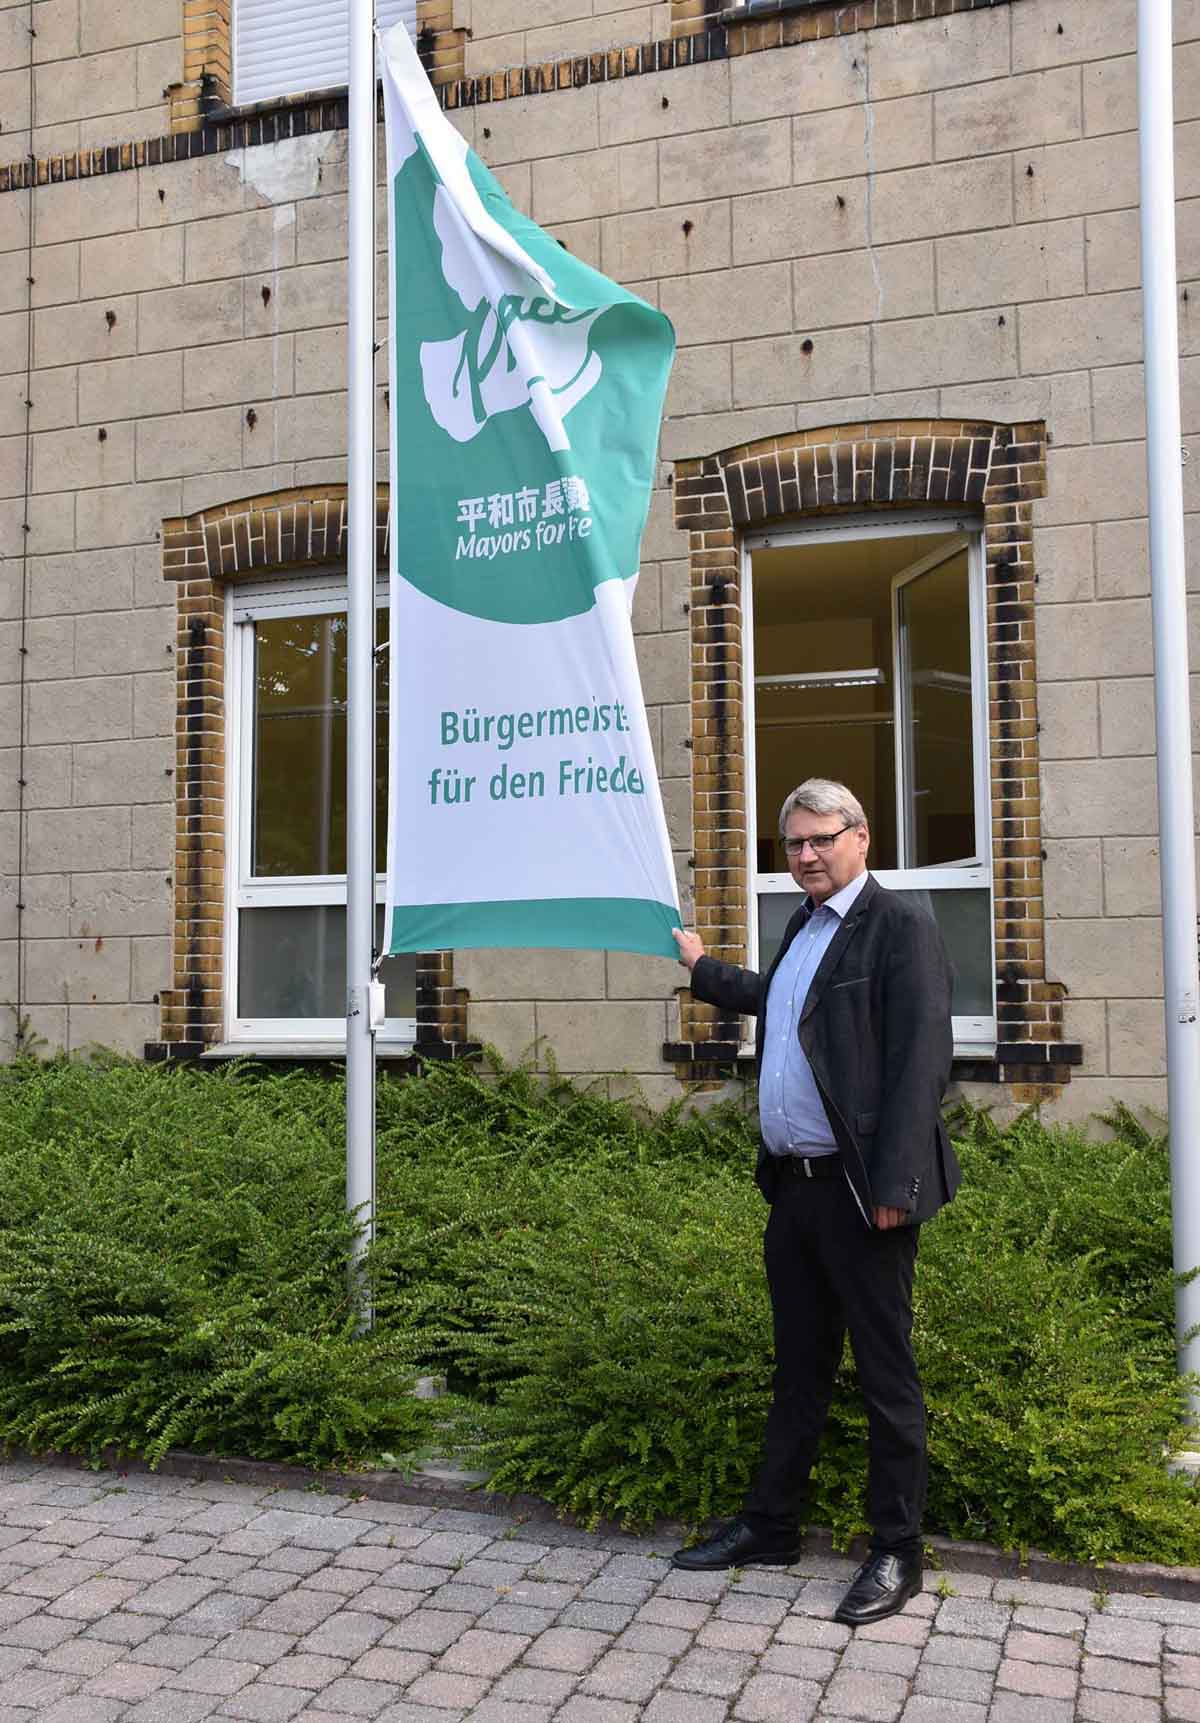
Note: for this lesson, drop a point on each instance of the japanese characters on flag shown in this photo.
(526, 395)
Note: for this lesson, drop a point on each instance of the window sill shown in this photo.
(767, 9)
(302, 1050)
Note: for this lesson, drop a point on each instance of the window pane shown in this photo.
(965, 920)
(299, 823)
(292, 963)
(824, 681)
(935, 617)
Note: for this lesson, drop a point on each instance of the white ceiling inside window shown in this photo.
(284, 47)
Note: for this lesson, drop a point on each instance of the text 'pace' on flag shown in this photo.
(526, 397)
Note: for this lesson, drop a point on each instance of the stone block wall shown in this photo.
(850, 220)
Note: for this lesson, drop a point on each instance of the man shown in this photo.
(853, 1054)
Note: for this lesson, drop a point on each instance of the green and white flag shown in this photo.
(526, 395)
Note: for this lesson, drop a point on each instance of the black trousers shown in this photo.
(827, 1273)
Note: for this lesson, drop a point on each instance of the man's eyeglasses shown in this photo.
(821, 843)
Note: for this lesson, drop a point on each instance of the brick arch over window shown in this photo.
(997, 469)
(294, 531)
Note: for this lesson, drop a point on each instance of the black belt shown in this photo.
(810, 1166)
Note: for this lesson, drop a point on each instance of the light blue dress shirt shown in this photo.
(791, 1115)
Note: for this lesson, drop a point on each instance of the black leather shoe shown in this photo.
(736, 1545)
(882, 1585)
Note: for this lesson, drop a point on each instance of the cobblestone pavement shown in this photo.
(166, 1601)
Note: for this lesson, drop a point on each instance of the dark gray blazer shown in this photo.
(876, 1031)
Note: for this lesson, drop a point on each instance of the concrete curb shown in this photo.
(445, 1488)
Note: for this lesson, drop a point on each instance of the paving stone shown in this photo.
(300, 1612)
(1030, 1708)
(578, 1565)
(602, 1617)
(1183, 1671)
(220, 1675)
(972, 1616)
(945, 1681)
(962, 1652)
(128, 1681)
(347, 1582)
(633, 1675)
(719, 1673)
(36, 1687)
(902, 1629)
(441, 1687)
(414, 1576)
(261, 1582)
(881, 1655)
(573, 1648)
(220, 1613)
(1044, 1594)
(534, 1686)
(263, 1702)
(951, 1582)
(1186, 1639)
(865, 1693)
(383, 1664)
(357, 1698)
(809, 1661)
(749, 1607)
(452, 1549)
(697, 1587)
(475, 1599)
(1174, 1610)
(431, 1630)
(288, 1558)
(171, 1597)
(73, 1657)
(170, 1650)
(1038, 1619)
(922, 1708)
(82, 1708)
(1095, 1706)
(40, 1632)
(1181, 1705)
(382, 1600)
(125, 1629)
(494, 1710)
(517, 1618)
(479, 1652)
(1118, 1675)
(667, 1707)
(770, 1696)
(1119, 1636)
(582, 1708)
(256, 1645)
(674, 1612)
(722, 1635)
(1048, 1680)
(805, 1630)
(1042, 1648)
(168, 1706)
(819, 1597)
(347, 1634)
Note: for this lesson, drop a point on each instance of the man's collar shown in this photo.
(841, 901)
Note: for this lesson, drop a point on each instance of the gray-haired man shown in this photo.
(853, 1053)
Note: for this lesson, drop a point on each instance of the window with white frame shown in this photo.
(285, 935)
(284, 47)
(866, 662)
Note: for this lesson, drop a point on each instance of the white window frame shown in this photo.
(315, 595)
(974, 1037)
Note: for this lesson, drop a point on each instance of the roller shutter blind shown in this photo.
(282, 47)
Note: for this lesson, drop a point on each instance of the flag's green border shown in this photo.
(569, 923)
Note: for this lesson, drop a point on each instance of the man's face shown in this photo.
(821, 873)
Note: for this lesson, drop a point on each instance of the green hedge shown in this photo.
(172, 1254)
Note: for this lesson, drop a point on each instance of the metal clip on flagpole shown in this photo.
(361, 1008)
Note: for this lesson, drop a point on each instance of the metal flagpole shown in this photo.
(360, 654)
(1177, 846)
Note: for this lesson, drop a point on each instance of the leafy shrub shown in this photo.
(173, 1255)
(172, 1251)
